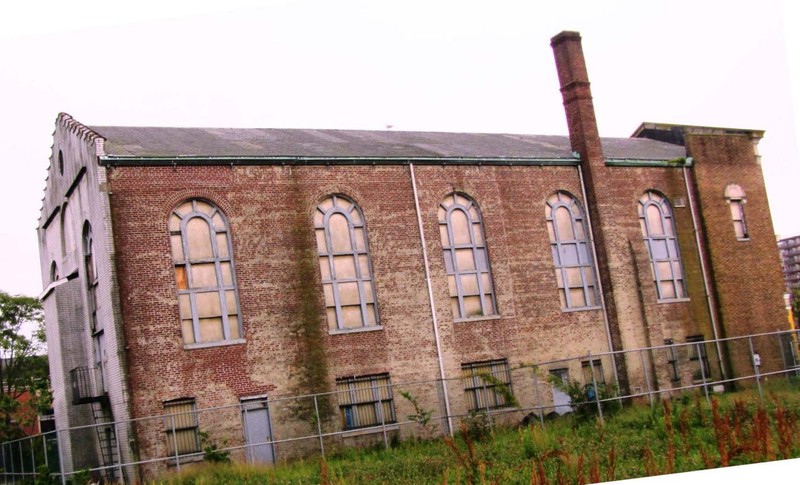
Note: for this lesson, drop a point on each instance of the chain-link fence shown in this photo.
(374, 410)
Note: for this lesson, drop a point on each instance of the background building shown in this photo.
(190, 268)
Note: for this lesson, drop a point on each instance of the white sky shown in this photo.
(418, 65)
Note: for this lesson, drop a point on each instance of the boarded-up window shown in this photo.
(180, 427)
(204, 274)
(571, 252)
(658, 231)
(735, 196)
(365, 401)
(593, 371)
(487, 384)
(345, 264)
(466, 257)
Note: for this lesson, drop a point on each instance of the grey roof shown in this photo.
(160, 143)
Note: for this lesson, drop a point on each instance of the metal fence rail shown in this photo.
(378, 412)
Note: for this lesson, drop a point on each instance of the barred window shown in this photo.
(735, 196)
(658, 231)
(365, 401)
(571, 254)
(466, 257)
(699, 354)
(181, 427)
(345, 264)
(204, 273)
(487, 384)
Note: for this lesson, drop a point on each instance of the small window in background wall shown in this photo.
(736, 198)
(365, 401)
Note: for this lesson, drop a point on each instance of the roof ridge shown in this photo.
(82, 131)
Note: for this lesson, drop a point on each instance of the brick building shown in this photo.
(190, 268)
(789, 249)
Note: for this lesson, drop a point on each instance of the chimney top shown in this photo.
(565, 35)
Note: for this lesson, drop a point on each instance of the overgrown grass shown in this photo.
(675, 436)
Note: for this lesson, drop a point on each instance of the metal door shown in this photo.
(561, 400)
(257, 431)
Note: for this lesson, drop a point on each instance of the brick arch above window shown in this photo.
(466, 257)
(566, 227)
(658, 231)
(205, 278)
(345, 265)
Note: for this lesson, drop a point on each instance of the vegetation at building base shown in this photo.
(681, 435)
(24, 385)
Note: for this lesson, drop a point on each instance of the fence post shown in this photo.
(33, 456)
(21, 461)
(44, 447)
(700, 355)
(486, 400)
(60, 458)
(319, 428)
(119, 453)
(647, 379)
(175, 442)
(783, 356)
(755, 367)
(596, 391)
(538, 399)
(383, 420)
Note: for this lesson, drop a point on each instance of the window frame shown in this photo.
(668, 238)
(174, 435)
(477, 246)
(215, 229)
(362, 277)
(594, 367)
(481, 395)
(559, 245)
(382, 400)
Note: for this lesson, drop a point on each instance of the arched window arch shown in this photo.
(345, 265)
(736, 198)
(466, 257)
(90, 271)
(571, 253)
(208, 298)
(658, 231)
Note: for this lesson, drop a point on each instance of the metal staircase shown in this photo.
(87, 388)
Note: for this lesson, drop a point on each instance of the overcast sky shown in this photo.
(417, 65)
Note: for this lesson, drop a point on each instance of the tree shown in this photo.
(24, 386)
(795, 300)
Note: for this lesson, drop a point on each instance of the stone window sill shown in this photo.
(371, 430)
(673, 300)
(342, 331)
(221, 343)
(477, 318)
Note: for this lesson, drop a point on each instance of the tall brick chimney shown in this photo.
(577, 95)
(585, 140)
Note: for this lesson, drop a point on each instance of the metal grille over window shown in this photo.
(487, 384)
(345, 264)
(735, 196)
(466, 257)
(658, 231)
(571, 256)
(181, 427)
(365, 401)
(699, 354)
(204, 273)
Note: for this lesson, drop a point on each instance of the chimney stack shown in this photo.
(571, 66)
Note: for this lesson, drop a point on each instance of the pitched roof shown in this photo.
(161, 143)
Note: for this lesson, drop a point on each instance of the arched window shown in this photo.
(736, 198)
(54, 272)
(204, 273)
(571, 253)
(345, 265)
(466, 258)
(90, 270)
(658, 231)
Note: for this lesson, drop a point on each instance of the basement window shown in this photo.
(181, 427)
(487, 384)
(365, 401)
